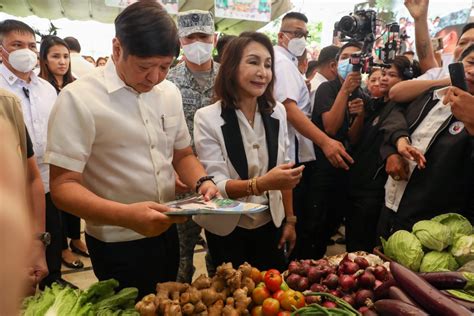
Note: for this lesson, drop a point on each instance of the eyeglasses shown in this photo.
(298, 34)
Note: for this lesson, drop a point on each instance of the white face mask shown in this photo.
(198, 52)
(23, 60)
(296, 46)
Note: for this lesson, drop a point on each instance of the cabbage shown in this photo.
(435, 261)
(404, 248)
(463, 249)
(433, 235)
(457, 223)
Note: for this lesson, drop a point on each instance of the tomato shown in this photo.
(257, 311)
(273, 280)
(256, 275)
(277, 295)
(259, 294)
(284, 313)
(292, 298)
(270, 307)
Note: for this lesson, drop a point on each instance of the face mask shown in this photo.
(344, 68)
(22, 60)
(296, 46)
(198, 52)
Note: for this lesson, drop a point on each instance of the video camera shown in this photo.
(361, 26)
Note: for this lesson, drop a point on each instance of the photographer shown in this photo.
(421, 188)
(367, 177)
(339, 111)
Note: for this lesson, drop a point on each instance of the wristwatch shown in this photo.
(202, 180)
(45, 238)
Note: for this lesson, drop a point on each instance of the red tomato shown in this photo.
(278, 294)
(292, 298)
(273, 280)
(259, 294)
(284, 313)
(270, 307)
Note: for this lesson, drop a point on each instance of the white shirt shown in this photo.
(36, 110)
(211, 150)
(80, 66)
(315, 83)
(420, 139)
(289, 84)
(438, 72)
(121, 141)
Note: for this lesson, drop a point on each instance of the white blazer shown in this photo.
(219, 147)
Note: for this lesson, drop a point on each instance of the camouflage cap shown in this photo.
(195, 21)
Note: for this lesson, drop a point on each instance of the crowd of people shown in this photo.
(260, 123)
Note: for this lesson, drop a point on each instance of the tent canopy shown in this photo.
(98, 11)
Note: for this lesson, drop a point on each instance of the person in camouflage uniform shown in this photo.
(195, 79)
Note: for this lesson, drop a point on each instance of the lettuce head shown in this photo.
(457, 223)
(463, 249)
(435, 261)
(404, 248)
(433, 235)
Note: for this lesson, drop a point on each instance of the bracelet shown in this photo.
(255, 190)
(202, 180)
(249, 187)
(291, 220)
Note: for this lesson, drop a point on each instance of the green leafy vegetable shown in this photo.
(436, 261)
(433, 235)
(463, 249)
(404, 248)
(457, 223)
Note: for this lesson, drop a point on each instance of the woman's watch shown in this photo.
(45, 238)
(202, 180)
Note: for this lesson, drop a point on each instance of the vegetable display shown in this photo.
(441, 244)
(100, 299)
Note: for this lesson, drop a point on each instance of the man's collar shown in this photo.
(285, 52)
(11, 78)
(439, 94)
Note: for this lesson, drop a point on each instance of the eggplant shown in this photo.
(466, 304)
(396, 293)
(425, 294)
(389, 307)
(381, 291)
(445, 280)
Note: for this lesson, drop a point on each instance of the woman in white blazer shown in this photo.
(242, 141)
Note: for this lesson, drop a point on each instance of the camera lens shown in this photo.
(348, 24)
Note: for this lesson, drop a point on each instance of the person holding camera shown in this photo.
(339, 111)
(367, 176)
(435, 171)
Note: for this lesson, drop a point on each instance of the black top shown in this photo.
(323, 101)
(29, 145)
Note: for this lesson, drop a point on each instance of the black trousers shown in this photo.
(389, 223)
(71, 228)
(138, 263)
(53, 251)
(361, 221)
(258, 246)
(304, 206)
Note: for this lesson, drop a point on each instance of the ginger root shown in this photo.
(147, 307)
(216, 309)
(202, 282)
(242, 301)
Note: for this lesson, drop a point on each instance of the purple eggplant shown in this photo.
(425, 294)
(396, 293)
(388, 307)
(445, 280)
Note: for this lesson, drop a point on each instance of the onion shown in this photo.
(367, 280)
(293, 280)
(380, 273)
(347, 282)
(294, 267)
(350, 267)
(329, 304)
(331, 281)
(362, 297)
(362, 262)
(314, 275)
(349, 299)
(303, 284)
(316, 287)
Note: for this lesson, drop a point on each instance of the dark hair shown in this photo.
(145, 29)
(312, 65)
(405, 69)
(466, 52)
(8, 26)
(226, 80)
(48, 42)
(373, 70)
(347, 45)
(220, 45)
(295, 15)
(466, 28)
(99, 59)
(73, 44)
